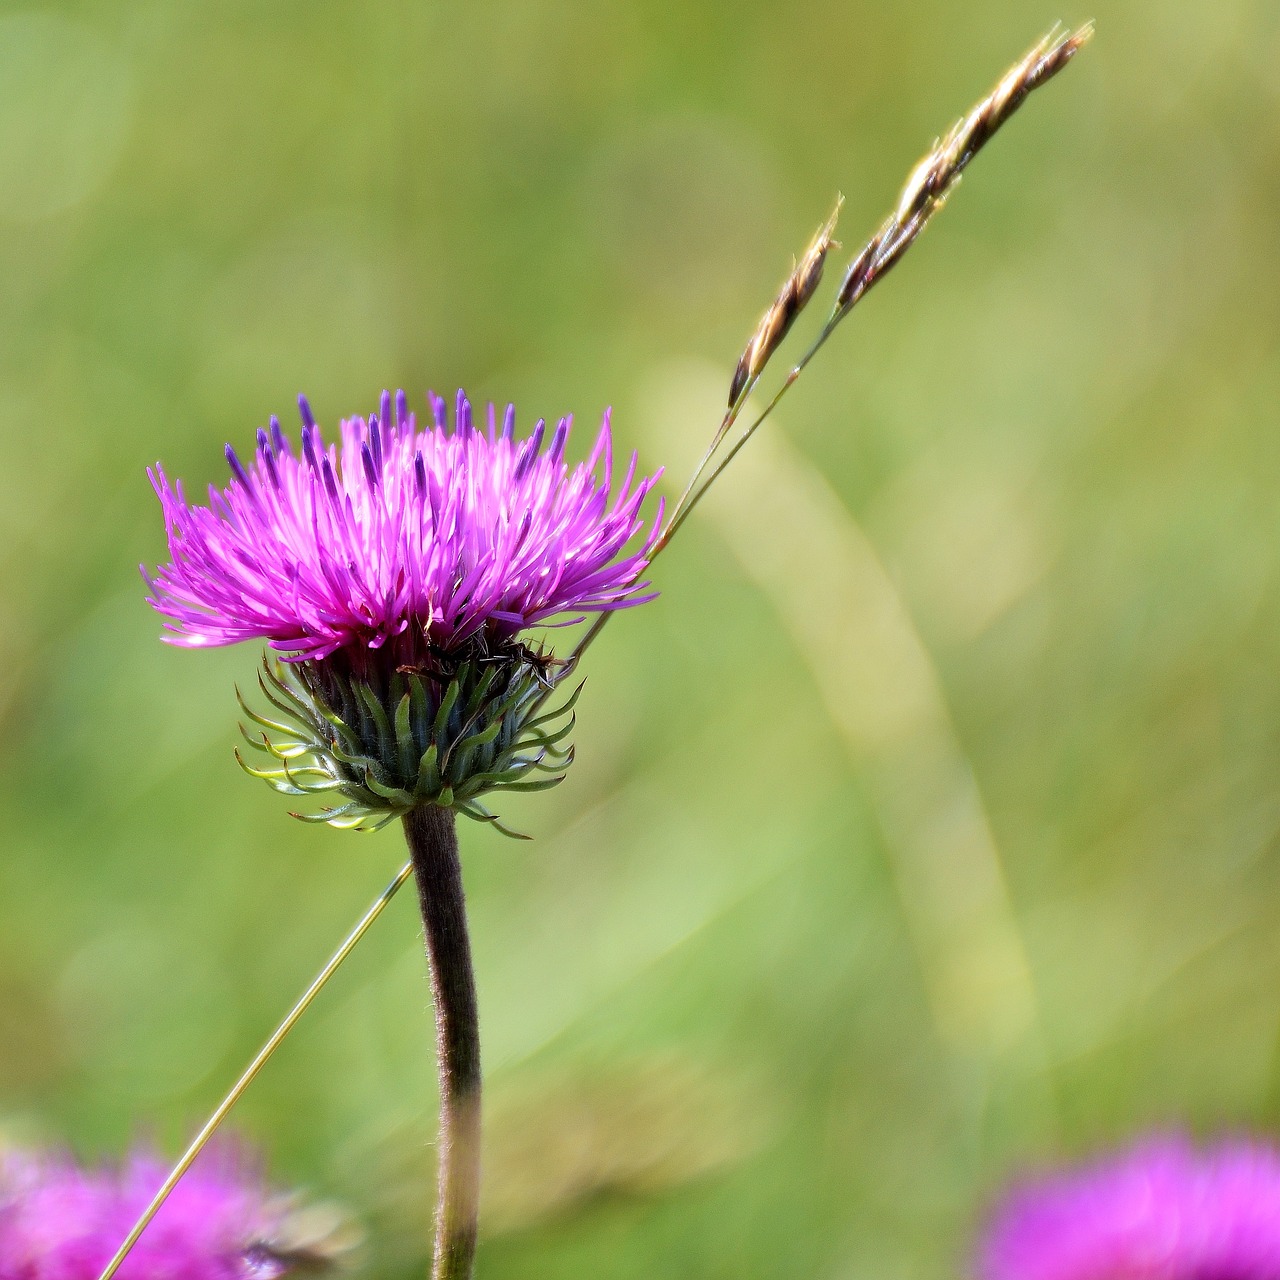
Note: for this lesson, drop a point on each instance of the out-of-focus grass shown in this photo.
(863, 892)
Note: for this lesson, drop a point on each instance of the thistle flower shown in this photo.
(395, 572)
(1160, 1211)
(394, 576)
(59, 1221)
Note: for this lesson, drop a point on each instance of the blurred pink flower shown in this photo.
(1160, 1211)
(59, 1221)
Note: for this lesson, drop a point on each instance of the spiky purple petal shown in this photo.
(450, 534)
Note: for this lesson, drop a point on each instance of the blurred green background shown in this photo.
(926, 828)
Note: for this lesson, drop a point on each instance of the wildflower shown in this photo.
(59, 1221)
(1160, 1211)
(395, 573)
(395, 576)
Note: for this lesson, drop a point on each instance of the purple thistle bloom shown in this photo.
(394, 573)
(1162, 1211)
(436, 536)
(61, 1222)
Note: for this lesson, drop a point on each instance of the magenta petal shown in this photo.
(449, 532)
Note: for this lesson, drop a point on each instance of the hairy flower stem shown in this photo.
(432, 835)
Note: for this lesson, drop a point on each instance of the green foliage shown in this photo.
(1054, 427)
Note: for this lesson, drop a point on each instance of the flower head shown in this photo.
(1161, 1211)
(59, 1221)
(395, 535)
(395, 573)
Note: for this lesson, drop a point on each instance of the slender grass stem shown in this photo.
(237, 1090)
(673, 527)
(723, 430)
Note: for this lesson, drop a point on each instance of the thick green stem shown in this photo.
(433, 843)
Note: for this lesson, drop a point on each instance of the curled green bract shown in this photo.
(377, 746)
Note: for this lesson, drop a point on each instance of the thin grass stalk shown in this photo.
(260, 1059)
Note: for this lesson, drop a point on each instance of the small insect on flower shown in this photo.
(60, 1221)
(1160, 1211)
(397, 573)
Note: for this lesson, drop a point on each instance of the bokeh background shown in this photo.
(926, 828)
